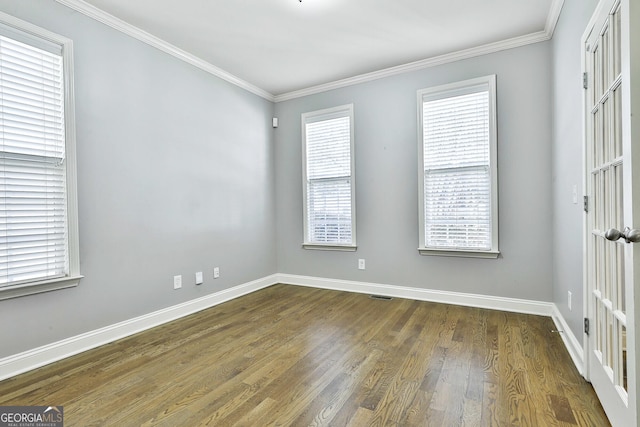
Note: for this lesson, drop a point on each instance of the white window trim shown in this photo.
(339, 111)
(445, 91)
(73, 277)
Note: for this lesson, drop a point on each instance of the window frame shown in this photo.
(317, 116)
(26, 32)
(450, 90)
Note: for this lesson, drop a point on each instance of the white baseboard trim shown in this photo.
(446, 297)
(35, 358)
(41, 356)
(574, 347)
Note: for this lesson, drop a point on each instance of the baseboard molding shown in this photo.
(570, 341)
(41, 356)
(445, 297)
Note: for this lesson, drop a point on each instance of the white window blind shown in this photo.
(458, 206)
(33, 205)
(329, 181)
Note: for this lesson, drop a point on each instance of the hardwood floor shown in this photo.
(297, 356)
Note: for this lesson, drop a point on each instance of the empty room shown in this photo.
(319, 212)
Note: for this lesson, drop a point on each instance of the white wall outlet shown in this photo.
(216, 272)
(177, 282)
(361, 264)
(569, 299)
(199, 278)
(574, 194)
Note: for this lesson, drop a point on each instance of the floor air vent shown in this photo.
(380, 297)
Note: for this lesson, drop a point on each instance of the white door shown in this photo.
(612, 179)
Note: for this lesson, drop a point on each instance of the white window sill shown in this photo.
(31, 288)
(329, 247)
(459, 253)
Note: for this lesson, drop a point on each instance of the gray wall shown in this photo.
(567, 160)
(175, 175)
(387, 186)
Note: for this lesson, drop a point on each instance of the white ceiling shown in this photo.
(281, 46)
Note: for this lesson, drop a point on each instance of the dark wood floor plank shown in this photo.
(289, 355)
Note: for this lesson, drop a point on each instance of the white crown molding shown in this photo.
(570, 341)
(135, 32)
(446, 297)
(541, 36)
(120, 25)
(419, 65)
(552, 17)
(41, 356)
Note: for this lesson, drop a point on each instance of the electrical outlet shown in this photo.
(177, 282)
(361, 264)
(199, 278)
(216, 272)
(569, 299)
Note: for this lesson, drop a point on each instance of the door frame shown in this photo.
(586, 232)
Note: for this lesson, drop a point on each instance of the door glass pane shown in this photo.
(595, 188)
(616, 43)
(609, 340)
(601, 267)
(615, 274)
(607, 149)
(608, 271)
(618, 198)
(606, 199)
(617, 121)
(622, 357)
(598, 327)
(622, 303)
(605, 51)
(597, 139)
(597, 80)
(596, 263)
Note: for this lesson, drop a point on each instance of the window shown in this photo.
(329, 207)
(458, 169)
(38, 213)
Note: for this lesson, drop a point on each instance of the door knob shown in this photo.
(629, 235)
